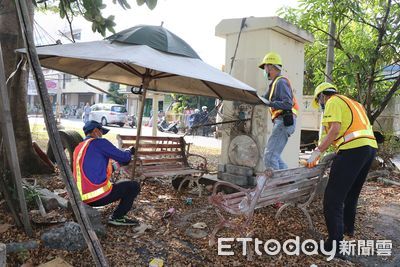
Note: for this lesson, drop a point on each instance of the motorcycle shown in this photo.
(163, 126)
(132, 121)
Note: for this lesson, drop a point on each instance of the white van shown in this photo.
(109, 114)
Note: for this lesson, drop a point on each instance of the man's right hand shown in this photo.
(313, 160)
(132, 150)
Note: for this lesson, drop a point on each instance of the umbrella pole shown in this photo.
(146, 82)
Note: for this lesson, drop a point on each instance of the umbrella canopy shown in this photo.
(156, 37)
(131, 64)
(172, 67)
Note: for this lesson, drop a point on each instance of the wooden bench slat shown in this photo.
(286, 199)
(151, 138)
(171, 173)
(300, 175)
(159, 146)
(151, 168)
(146, 161)
(159, 153)
(300, 171)
(286, 188)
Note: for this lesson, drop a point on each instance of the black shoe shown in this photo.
(124, 221)
(349, 233)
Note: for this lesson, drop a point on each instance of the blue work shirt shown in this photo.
(282, 97)
(98, 153)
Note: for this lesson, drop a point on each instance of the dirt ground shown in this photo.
(378, 219)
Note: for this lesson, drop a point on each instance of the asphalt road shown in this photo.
(146, 131)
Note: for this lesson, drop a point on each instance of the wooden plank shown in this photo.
(147, 138)
(55, 140)
(146, 161)
(160, 146)
(167, 174)
(298, 172)
(288, 188)
(298, 177)
(283, 198)
(153, 168)
(11, 147)
(159, 153)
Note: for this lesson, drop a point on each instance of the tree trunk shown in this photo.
(11, 39)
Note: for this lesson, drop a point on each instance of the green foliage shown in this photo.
(185, 101)
(367, 39)
(115, 96)
(30, 195)
(91, 10)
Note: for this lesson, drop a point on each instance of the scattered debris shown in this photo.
(157, 262)
(57, 262)
(168, 214)
(196, 233)
(140, 230)
(388, 181)
(199, 225)
(374, 175)
(4, 227)
(189, 201)
(52, 217)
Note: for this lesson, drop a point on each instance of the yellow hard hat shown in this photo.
(325, 86)
(271, 58)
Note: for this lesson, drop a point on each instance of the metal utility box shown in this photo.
(257, 37)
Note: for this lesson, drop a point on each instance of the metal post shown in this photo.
(146, 82)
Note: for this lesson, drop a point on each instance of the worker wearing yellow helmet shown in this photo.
(346, 127)
(283, 108)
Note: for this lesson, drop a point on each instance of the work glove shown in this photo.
(132, 150)
(313, 160)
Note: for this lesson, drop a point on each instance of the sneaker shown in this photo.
(124, 221)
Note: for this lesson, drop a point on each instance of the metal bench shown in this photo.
(165, 157)
(294, 187)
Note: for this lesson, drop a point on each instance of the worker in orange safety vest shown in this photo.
(347, 128)
(92, 169)
(283, 108)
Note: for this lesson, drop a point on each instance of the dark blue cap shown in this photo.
(91, 125)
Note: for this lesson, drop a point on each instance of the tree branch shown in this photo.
(374, 58)
(389, 95)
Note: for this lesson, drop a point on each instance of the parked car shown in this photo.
(109, 114)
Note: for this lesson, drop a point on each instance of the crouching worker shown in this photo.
(92, 172)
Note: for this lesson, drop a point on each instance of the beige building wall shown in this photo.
(262, 35)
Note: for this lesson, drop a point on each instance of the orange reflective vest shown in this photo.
(359, 127)
(276, 112)
(89, 191)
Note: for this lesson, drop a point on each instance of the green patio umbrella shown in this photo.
(156, 37)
